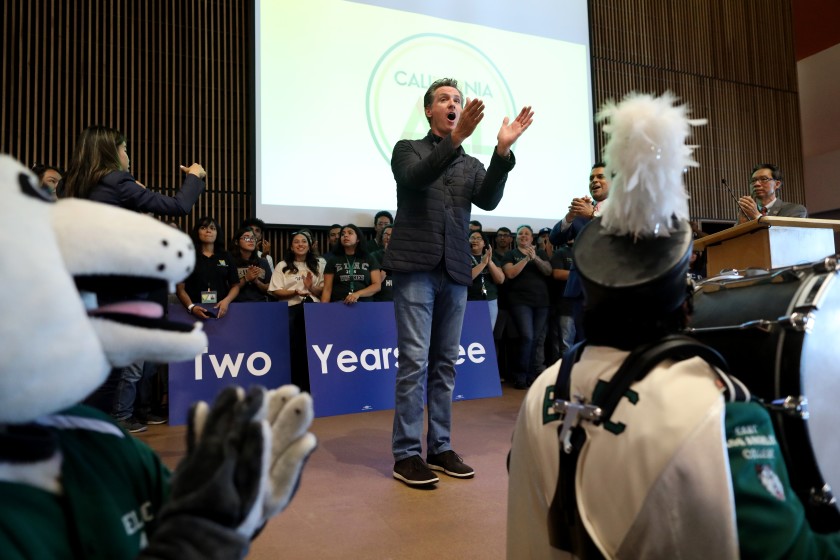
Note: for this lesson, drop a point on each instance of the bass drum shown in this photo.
(780, 334)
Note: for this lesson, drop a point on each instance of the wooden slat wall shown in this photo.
(733, 62)
(172, 76)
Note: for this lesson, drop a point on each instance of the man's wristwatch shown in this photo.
(190, 308)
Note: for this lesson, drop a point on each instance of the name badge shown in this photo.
(209, 296)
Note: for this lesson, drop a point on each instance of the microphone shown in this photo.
(735, 198)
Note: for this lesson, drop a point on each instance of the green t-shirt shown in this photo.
(351, 273)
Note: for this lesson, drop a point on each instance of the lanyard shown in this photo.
(481, 275)
(351, 269)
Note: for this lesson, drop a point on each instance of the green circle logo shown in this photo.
(405, 71)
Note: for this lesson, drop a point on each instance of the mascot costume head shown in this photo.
(72, 484)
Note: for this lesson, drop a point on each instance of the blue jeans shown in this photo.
(539, 348)
(568, 333)
(429, 309)
(530, 322)
(127, 390)
(561, 334)
(493, 306)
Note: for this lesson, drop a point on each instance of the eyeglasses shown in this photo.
(247, 238)
(502, 235)
(761, 180)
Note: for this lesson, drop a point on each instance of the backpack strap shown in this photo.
(643, 359)
(566, 529)
(564, 376)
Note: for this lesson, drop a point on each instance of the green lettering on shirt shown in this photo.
(631, 395)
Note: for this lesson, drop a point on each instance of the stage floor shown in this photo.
(349, 506)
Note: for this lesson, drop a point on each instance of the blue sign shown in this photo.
(352, 352)
(249, 346)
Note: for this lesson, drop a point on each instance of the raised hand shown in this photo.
(196, 169)
(252, 273)
(512, 130)
(471, 115)
(580, 208)
(749, 206)
(531, 252)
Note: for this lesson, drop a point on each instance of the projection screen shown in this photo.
(339, 82)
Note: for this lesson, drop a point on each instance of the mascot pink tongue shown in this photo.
(138, 308)
(73, 484)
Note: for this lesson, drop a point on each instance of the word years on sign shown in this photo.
(376, 359)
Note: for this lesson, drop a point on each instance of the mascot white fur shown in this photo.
(72, 484)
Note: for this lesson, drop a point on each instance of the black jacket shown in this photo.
(120, 189)
(436, 187)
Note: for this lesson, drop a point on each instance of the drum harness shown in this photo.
(566, 530)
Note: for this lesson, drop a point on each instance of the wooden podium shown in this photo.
(768, 242)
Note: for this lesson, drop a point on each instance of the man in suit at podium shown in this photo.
(765, 181)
